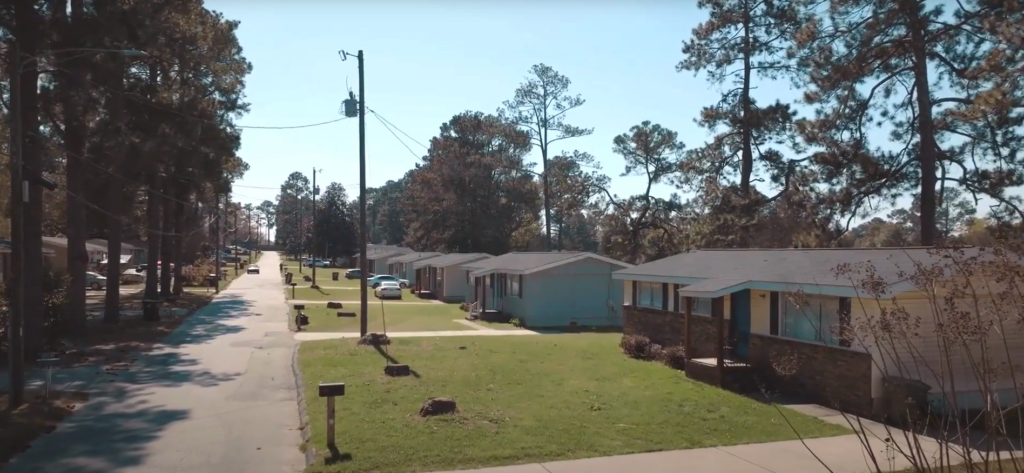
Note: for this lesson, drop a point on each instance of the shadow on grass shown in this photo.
(393, 361)
(114, 430)
(336, 456)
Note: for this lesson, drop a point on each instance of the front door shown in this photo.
(739, 326)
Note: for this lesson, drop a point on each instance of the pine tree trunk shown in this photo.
(167, 240)
(76, 225)
(151, 312)
(112, 301)
(929, 148)
(177, 252)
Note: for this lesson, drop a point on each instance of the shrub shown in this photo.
(639, 347)
(195, 274)
(55, 300)
(674, 357)
(517, 322)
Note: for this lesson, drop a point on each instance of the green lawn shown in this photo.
(522, 399)
(399, 317)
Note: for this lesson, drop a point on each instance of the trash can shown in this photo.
(334, 276)
(288, 278)
(211, 280)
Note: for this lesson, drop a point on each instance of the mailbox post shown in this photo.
(330, 391)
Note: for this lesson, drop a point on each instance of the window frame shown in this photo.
(814, 315)
(653, 298)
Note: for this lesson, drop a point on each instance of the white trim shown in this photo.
(822, 289)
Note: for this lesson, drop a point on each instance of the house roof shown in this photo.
(386, 254)
(532, 262)
(103, 243)
(59, 241)
(5, 247)
(712, 273)
(443, 261)
(410, 257)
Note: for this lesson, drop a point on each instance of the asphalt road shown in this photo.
(218, 397)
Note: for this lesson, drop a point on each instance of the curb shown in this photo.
(300, 396)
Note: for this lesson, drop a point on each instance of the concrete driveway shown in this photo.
(218, 397)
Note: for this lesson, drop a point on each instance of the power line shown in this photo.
(139, 99)
(413, 153)
(122, 219)
(387, 123)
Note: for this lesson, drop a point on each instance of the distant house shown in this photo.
(444, 278)
(401, 266)
(372, 249)
(550, 289)
(130, 254)
(5, 259)
(96, 253)
(378, 260)
(742, 314)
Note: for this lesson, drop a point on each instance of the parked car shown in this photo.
(95, 281)
(318, 263)
(252, 269)
(388, 290)
(380, 278)
(354, 274)
(131, 276)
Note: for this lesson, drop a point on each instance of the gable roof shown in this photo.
(387, 253)
(532, 262)
(61, 241)
(410, 257)
(444, 261)
(712, 273)
(6, 246)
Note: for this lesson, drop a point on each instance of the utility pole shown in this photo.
(313, 224)
(299, 234)
(363, 266)
(216, 235)
(350, 111)
(15, 347)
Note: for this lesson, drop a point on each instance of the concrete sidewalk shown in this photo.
(313, 336)
(843, 454)
(370, 300)
(217, 396)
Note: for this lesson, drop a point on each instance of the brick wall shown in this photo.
(829, 376)
(669, 328)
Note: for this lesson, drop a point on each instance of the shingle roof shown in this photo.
(410, 257)
(790, 266)
(452, 259)
(531, 261)
(64, 242)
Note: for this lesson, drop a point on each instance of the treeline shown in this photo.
(906, 99)
(133, 122)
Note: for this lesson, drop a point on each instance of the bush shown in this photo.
(195, 274)
(55, 300)
(674, 357)
(639, 347)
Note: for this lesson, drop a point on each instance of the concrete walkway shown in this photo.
(312, 336)
(371, 300)
(843, 454)
(219, 396)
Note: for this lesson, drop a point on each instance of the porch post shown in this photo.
(718, 311)
(688, 313)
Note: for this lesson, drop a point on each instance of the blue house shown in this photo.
(444, 278)
(550, 289)
(378, 260)
(401, 266)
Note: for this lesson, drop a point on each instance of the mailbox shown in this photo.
(332, 389)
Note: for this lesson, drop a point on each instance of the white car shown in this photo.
(252, 269)
(388, 290)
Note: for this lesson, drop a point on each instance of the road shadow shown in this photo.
(114, 430)
(394, 361)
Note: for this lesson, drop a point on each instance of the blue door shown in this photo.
(740, 322)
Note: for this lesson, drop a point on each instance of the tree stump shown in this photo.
(334, 305)
(437, 406)
(346, 314)
(374, 339)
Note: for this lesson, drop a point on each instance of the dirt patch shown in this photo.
(109, 344)
(37, 417)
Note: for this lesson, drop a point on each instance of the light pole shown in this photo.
(19, 197)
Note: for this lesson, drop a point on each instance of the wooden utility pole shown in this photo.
(313, 224)
(216, 236)
(363, 266)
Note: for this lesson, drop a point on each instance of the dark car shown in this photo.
(354, 274)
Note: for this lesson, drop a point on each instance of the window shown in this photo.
(813, 322)
(701, 305)
(514, 282)
(648, 294)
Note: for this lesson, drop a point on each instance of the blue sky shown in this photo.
(426, 63)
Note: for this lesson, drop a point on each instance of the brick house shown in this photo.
(742, 314)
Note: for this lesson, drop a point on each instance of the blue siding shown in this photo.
(576, 292)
